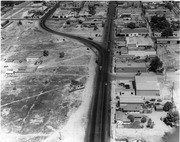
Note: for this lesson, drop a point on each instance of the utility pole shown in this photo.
(172, 93)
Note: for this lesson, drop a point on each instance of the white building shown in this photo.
(147, 86)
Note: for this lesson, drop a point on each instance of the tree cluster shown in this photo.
(150, 124)
(167, 106)
(169, 5)
(162, 25)
(172, 118)
(131, 118)
(92, 10)
(45, 53)
(155, 64)
(131, 25)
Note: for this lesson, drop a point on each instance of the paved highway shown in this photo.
(98, 126)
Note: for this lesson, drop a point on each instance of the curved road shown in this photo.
(98, 125)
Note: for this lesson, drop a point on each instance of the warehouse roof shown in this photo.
(130, 65)
(140, 41)
(146, 83)
(136, 30)
(142, 53)
(132, 107)
(131, 100)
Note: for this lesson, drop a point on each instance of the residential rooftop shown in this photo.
(136, 30)
(121, 116)
(140, 41)
(132, 107)
(130, 65)
(143, 53)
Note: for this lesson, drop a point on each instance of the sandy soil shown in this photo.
(28, 39)
(75, 128)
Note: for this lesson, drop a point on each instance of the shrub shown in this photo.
(167, 106)
(131, 25)
(155, 64)
(143, 120)
(131, 118)
(45, 53)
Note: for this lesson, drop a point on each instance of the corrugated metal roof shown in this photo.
(146, 83)
(131, 99)
(136, 30)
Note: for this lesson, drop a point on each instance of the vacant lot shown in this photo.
(36, 104)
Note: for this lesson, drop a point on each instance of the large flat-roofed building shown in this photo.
(131, 100)
(169, 40)
(142, 54)
(147, 86)
(130, 67)
(135, 43)
(133, 32)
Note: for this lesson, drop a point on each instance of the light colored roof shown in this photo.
(146, 83)
(142, 53)
(136, 30)
(121, 116)
(130, 107)
(130, 65)
(169, 38)
(131, 99)
(33, 56)
(141, 41)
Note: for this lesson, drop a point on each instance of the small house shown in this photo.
(131, 67)
(121, 118)
(32, 58)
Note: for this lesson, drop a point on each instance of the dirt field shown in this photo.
(36, 104)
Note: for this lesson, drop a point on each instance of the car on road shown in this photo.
(90, 38)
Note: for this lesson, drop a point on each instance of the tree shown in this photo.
(169, 6)
(167, 106)
(19, 22)
(159, 23)
(131, 25)
(61, 54)
(92, 10)
(167, 32)
(143, 120)
(118, 104)
(68, 22)
(45, 53)
(155, 64)
(95, 28)
(131, 118)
